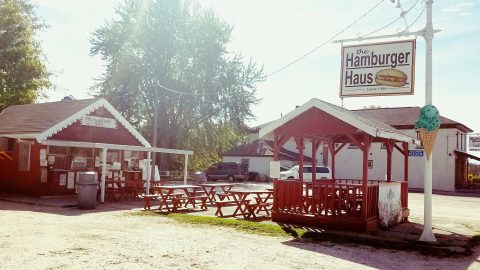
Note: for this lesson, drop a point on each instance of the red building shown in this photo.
(32, 160)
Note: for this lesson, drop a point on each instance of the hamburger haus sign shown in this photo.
(378, 69)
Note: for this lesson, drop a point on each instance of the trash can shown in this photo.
(87, 190)
(199, 178)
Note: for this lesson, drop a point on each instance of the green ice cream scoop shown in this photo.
(428, 118)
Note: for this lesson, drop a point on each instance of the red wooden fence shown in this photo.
(340, 199)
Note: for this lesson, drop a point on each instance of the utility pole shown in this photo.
(155, 131)
(428, 33)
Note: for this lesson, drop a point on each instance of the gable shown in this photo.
(99, 126)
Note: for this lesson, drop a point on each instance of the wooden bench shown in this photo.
(256, 208)
(220, 204)
(192, 201)
(223, 196)
(148, 200)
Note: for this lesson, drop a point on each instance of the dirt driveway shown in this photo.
(42, 237)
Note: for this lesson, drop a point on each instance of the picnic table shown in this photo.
(248, 209)
(212, 188)
(188, 195)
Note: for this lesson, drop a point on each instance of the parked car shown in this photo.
(322, 172)
(231, 171)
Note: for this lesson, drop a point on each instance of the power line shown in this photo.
(327, 41)
(185, 93)
(402, 15)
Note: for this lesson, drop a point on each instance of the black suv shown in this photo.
(230, 171)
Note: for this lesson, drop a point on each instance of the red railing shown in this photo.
(330, 198)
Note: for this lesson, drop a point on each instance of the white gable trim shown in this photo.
(315, 103)
(265, 131)
(87, 110)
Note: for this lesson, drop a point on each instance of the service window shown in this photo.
(24, 156)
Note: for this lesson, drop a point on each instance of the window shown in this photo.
(24, 157)
(370, 164)
(6, 144)
(245, 163)
(383, 146)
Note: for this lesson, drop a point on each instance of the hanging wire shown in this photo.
(402, 15)
(185, 93)
(416, 19)
(327, 41)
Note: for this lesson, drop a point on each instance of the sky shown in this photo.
(274, 33)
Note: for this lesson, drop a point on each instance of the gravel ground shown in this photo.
(43, 237)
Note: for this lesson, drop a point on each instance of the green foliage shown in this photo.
(23, 75)
(209, 141)
(171, 54)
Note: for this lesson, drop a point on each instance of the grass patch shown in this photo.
(240, 225)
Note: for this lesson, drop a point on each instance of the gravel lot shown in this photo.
(43, 237)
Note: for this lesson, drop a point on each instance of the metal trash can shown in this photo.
(199, 178)
(87, 190)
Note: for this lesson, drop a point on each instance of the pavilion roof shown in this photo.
(363, 123)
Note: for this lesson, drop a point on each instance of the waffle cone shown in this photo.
(428, 140)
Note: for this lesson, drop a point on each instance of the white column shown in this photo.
(427, 234)
(147, 169)
(104, 172)
(185, 170)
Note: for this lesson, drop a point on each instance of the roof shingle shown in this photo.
(36, 118)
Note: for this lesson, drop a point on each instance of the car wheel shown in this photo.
(231, 178)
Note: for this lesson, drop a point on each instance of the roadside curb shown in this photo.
(429, 249)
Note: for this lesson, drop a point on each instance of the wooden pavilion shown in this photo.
(349, 204)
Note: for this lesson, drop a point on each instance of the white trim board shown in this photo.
(115, 147)
(325, 107)
(85, 111)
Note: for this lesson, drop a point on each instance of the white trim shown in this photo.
(265, 131)
(398, 137)
(20, 136)
(315, 103)
(85, 111)
(116, 147)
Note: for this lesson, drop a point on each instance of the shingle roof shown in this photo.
(366, 124)
(404, 117)
(263, 148)
(36, 118)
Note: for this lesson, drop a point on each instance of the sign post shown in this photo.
(428, 33)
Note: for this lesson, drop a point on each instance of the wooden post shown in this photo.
(405, 161)
(389, 148)
(104, 172)
(299, 142)
(366, 149)
(331, 150)
(185, 170)
(147, 170)
(314, 160)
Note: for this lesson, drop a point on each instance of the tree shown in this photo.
(23, 74)
(172, 55)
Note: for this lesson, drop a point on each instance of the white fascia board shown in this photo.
(323, 107)
(116, 147)
(85, 111)
(20, 136)
(398, 137)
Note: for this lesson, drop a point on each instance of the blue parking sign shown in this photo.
(415, 153)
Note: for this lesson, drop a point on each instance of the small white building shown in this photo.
(450, 157)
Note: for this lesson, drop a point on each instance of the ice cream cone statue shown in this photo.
(428, 123)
